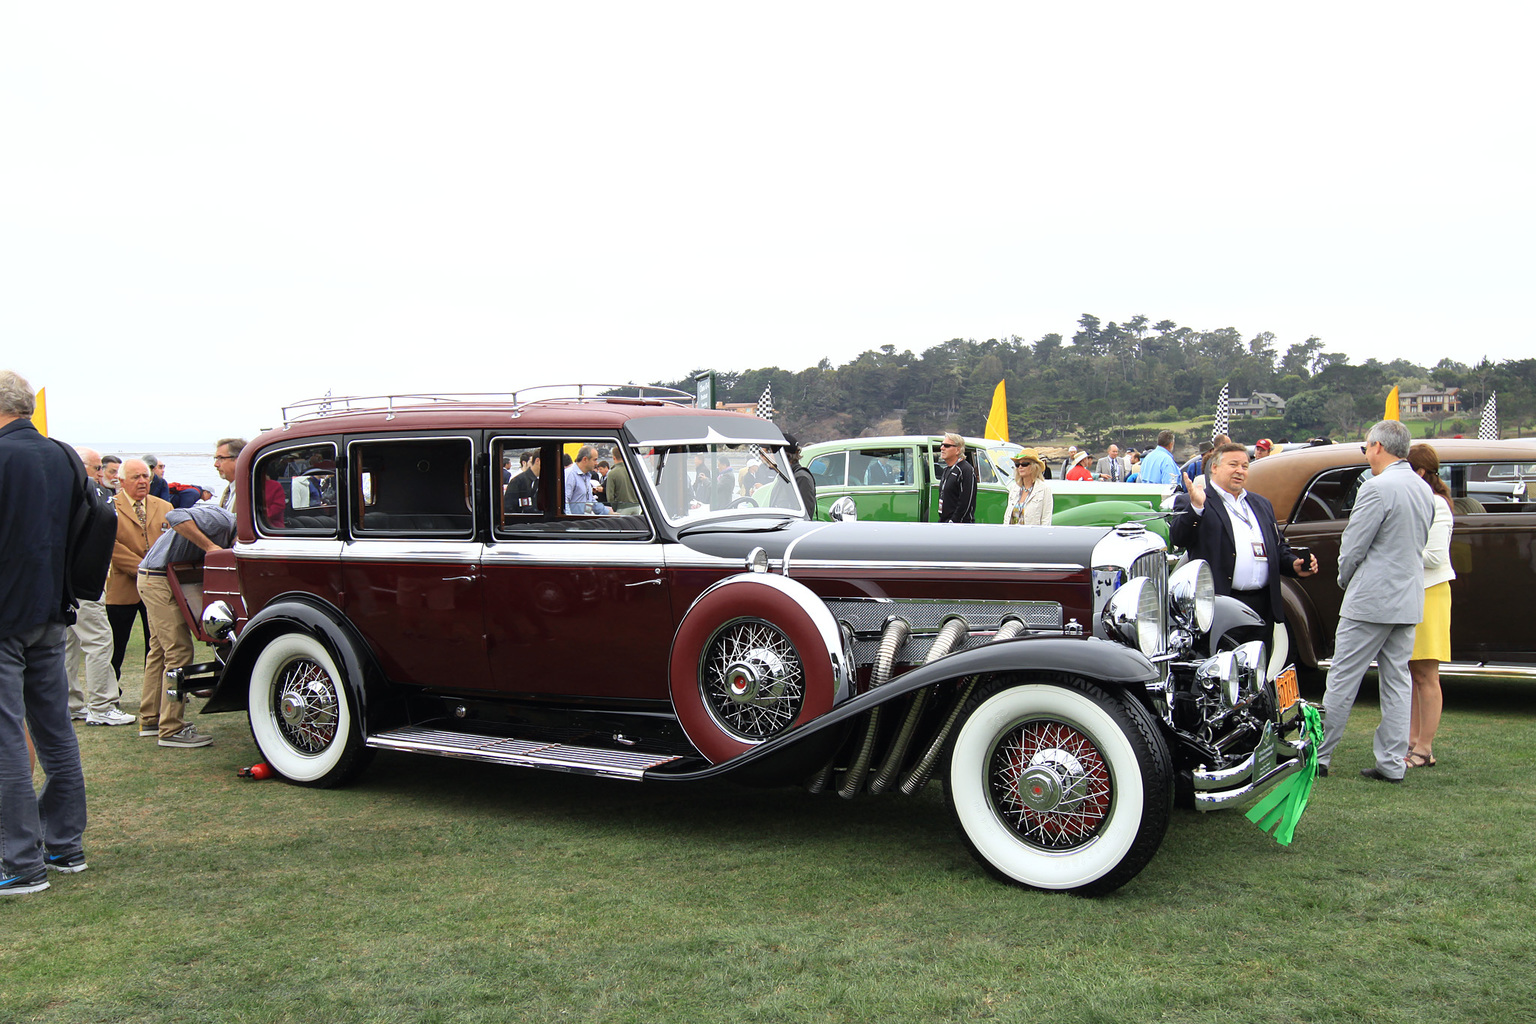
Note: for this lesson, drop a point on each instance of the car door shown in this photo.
(882, 481)
(1493, 550)
(410, 568)
(576, 602)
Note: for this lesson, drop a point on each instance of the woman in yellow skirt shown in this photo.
(1432, 640)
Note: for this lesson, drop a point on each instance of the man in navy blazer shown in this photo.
(1235, 531)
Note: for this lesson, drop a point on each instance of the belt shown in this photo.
(151, 572)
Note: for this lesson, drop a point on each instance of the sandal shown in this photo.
(1418, 760)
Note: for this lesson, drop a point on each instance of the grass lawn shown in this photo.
(440, 890)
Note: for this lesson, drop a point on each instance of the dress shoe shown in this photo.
(1322, 771)
(1372, 773)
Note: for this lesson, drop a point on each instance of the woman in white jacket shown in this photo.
(1029, 497)
(1432, 639)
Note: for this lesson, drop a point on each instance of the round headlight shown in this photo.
(1192, 593)
(1132, 616)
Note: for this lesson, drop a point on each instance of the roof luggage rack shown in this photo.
(392, 405)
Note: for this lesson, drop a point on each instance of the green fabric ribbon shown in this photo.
(1281, 808)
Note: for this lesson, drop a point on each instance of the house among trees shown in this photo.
(1429, 402)
(1260, 403)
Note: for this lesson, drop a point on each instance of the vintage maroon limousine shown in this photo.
(401, 582)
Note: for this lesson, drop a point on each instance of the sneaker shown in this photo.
(77, 716)
(188, 737)
(149, 729)
(17, 885)
(111, 716)
(65, 863)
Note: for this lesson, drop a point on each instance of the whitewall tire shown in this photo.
(303, 715)
(1060, 786)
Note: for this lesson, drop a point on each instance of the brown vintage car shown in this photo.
(1493, 545)
(400, 585)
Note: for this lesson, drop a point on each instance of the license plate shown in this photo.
(1287, 692)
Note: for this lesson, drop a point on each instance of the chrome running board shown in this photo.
(1466, 669)
(555, 757)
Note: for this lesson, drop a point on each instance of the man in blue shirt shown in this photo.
(1158, 467)
(578, 485)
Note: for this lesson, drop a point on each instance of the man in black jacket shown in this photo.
(957, 491)
(37, 492)
(1236, 532)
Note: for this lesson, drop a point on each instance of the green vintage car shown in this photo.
(896, 479)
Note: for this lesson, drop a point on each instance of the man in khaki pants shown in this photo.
(88, 644)
(192, 532)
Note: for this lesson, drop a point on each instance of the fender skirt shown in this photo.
(1100, 660)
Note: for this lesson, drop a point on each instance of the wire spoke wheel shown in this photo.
(1059, 785)
(1050, 783)
(307, 710)
(752, 679)
(302, 713)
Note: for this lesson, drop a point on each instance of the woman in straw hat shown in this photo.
(1029, 497)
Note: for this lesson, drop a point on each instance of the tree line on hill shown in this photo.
(1117, 382)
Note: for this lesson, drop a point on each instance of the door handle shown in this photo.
(643, 583)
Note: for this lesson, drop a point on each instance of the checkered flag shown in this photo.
(765, 404)
(1488, 430)
(1223, 414)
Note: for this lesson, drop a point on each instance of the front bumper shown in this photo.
(1274, 759)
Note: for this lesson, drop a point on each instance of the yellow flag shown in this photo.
(1391, 411)
(997, 419)
(40, 414)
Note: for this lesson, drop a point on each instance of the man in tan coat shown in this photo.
(140, 520)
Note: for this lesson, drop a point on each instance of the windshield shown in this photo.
(694, 481)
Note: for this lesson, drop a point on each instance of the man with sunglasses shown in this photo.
(957, 491)
(1382, 572)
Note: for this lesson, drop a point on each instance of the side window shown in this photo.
(829, 470)
(986, 470)
(880, 467)
(296, 491)
(413, 487)
(1490, 487)
(1331, 495)
(561, 488)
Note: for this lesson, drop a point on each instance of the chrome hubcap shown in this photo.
(752, 680)
(308, 711)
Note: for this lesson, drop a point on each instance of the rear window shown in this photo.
(296, 491)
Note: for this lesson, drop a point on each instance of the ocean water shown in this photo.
(186, 462)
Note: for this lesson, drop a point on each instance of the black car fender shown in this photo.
(301, 613)
(1235, 623)
(1091, 658)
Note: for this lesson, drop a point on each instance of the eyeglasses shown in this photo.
(1365, 449)
(949, 446)
(221, 458)
(96, 466)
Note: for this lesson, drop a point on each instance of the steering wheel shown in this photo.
(743, 502)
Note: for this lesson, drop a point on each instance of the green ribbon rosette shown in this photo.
(1281, 808)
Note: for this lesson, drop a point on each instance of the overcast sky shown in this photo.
(211, 210)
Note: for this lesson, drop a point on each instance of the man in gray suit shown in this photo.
(1381, 570)
(1110, 467)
